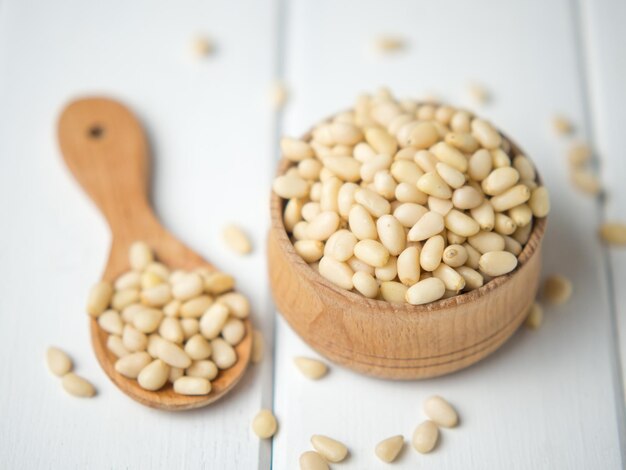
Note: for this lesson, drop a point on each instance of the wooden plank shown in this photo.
(546, 399)
(602, 35)
(210, 129)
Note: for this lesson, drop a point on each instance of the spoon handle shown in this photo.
(105, 148)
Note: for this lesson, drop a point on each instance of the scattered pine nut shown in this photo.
(58, 361)
(331, 449)
(236, 239)
(311, 368)
(77, 386)
(478, 94)
(385, 44)
(534, 317)
(425, 437)
(264, 424)
(278, 95)
(441, 412)
(202, 46)
(613, 233)
(389, 449)
(311, 460)
(586, 181)
(562, 125)
(579, 154)
(557, 289)
(258, 346)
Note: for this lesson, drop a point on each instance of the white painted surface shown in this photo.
(546, 400)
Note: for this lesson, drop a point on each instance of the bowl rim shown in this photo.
(277, 225)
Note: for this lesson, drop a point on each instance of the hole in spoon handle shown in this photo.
(104, 146)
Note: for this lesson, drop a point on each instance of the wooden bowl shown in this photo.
(399, 341)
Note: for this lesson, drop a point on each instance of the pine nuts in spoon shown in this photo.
(179, 327)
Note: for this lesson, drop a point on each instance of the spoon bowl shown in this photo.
(105, 148)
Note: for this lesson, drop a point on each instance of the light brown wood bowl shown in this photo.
(104, 146)
(398, 341)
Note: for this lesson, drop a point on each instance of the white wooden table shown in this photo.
(551, 399)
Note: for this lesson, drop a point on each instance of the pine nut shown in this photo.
(534, 318)
(613, 233)
(77, 386)
(408, 214)
(190, 327)
(504, 224)
(310, 460)
(562, 125)
(140, 256)
(452, 280)
(512, 246)
(406, 192)
(128, 280)
(156, 296)
(539, 202)
(423, 135)
(500, 159)
(345, 198)
(340, 245)
(223, 354)
(579, 154)
(175, 374)
(388, 449)
(497, 263)
(441, 412)
(454, 255)
(197, 347)
(371, 252)
(431, 183)
(99, 298)
(258, 347)
(361, 223)
(525, 168)
(363, 152)
(393, 292)
(461, 224)
(510, 198)
(432, 252)
(484, 215)
(557, 289)
(522, 234)
(238, 305)
(295, 150)
(389, 271)
(116, 346)
(323, 226)
(310, 250)
(408, 266)
(58, 361)
(331, 449)
(473, 256)
(130, 366)
(213, 320)
(454, 239)
(264, 424)
(385, 185)
(147, 320)
(203, 369)
(473, 279)
(190, 285)
(499, 180)
(425, 437)
(192, 386)
(425, 291)
(429, 225)
(172, 354)
(374, 203)
(233, 332)
(194, 308)
(381, 141)
(480, 165)
(460, 121)
(405, 171)
(171, 330)
(521, 215)
(486, 135)
(462, 141)
(236, 239)
(485, 242)
(133, 339)
(111, 322)
(150, 279)
(453, 177)
(442, 206)
(374, 165)
(290, 186)
(365, 284)
(154, 375)
(426, 161)
(467, 197)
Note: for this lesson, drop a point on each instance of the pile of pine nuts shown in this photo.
(180, 327)
(408, 202)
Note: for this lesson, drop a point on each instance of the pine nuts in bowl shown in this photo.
(405, 238)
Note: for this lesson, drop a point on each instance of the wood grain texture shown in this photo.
(104, 146)
(398, 341)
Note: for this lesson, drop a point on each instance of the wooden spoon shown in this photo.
(104, 146)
